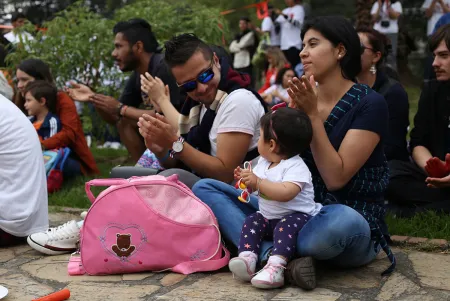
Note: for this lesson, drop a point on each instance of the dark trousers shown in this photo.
(283, 232)
(293, 56)
(407, 188)
(7, 240)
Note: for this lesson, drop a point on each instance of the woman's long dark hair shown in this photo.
(37, 69)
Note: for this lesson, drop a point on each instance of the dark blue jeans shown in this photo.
(71, 168)
(337, 234)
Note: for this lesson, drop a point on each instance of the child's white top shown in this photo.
(292, 170)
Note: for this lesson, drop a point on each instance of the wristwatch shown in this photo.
(177, 147)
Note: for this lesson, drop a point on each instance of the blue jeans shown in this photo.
(337, 234)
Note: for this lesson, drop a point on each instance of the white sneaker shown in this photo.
(243, 267)
(271, 276)
(58, 240)
(83, 214)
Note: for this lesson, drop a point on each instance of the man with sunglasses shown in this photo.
(135, 49)
(217, 128)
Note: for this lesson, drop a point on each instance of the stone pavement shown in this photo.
(28, 275)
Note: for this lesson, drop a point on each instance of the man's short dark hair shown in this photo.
(16, 16)
(181, 48)
(291, 129)
(135, 30)
(43, 89)
(246, 19)
(442, 34)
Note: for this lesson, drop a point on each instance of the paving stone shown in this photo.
(319, 294)
(220, 286)
(399, 239)
(55, 268)
(432, 269)
(417, 240)
(417, 298)
(21, 249)
(21, 287)
(397, 285)
(362, 278)
(109, 291)
(438, 242)
(136, 276)
(171, 279)
(6, 255)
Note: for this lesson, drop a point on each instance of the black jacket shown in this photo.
(432, 119)
(397, 100)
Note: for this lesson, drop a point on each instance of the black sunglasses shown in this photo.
(203, 78)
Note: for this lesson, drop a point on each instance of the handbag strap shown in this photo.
(101, 182)
(189, 267)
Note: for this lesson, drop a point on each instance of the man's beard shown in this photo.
(131, 63)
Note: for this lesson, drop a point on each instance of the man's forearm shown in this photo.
(421, 155)
(205, 165)
(111, 119)
(135, 114)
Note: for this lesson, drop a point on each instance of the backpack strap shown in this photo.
(189, 267)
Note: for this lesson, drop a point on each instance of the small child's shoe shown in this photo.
(244, 266)
(271, 276)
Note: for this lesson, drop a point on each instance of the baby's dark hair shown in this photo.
(43, 89)
(291, 129)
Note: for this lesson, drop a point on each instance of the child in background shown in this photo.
(40, 103)
(277, 93)
(285, 192)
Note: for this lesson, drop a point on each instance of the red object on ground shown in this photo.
(58, 296)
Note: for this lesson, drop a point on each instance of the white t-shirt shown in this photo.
(437, 13)
(268, 26)
(290, 33)
(23, 184)
(15, 38)
(393, 24)
(292, 170)
(282, 91)
(240, 112)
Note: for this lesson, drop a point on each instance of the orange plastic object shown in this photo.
(58, 296)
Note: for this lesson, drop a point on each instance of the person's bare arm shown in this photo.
(430, 10)
(337, 168)
(421, 155)
(231, 151)
(393, 14)
(135, 114)
(376, 16)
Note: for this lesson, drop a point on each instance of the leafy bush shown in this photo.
(79, 42)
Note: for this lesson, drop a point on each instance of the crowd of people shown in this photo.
(328, 146)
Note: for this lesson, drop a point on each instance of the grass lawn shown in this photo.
(423, 225)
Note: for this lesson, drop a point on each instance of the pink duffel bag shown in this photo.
(147, 223)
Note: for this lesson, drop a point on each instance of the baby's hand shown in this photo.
(249, 178)
(237, 173)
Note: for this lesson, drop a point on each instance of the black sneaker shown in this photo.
(302, 273)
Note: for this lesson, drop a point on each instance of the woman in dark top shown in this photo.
(373, 73)
(346, 158)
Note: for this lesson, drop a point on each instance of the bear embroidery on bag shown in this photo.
(123, 248)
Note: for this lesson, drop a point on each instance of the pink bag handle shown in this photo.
(101, 182)
(190, 267)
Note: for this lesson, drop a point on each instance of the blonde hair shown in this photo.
(278, 59)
